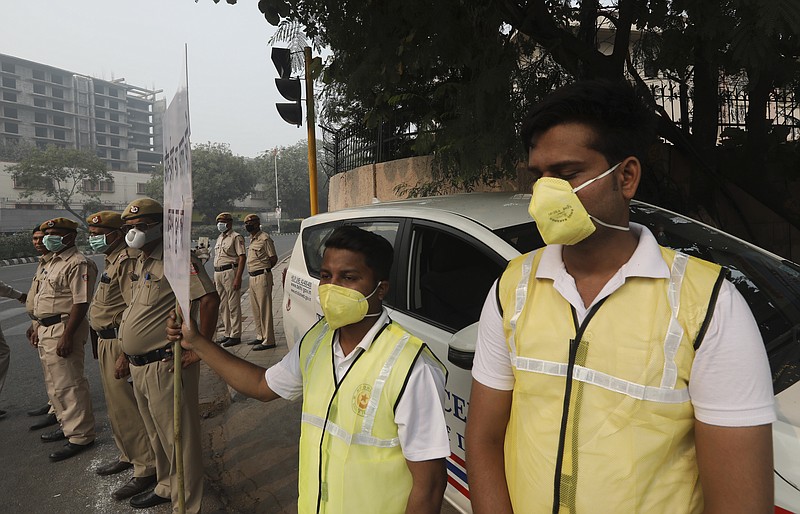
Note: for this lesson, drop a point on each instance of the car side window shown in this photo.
(449, 277)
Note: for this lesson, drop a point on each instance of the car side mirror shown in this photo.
(461, 347)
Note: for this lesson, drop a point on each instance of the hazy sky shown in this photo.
(231, 77)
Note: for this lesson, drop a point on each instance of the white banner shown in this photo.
(178, 196)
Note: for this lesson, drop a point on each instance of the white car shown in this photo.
(450, 249)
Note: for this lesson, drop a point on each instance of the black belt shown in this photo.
(147, 358)
(259, 272)
(50, 320)
(224, 268)
(108, 333)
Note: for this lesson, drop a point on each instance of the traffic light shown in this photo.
(288, 87)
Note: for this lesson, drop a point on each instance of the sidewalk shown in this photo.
(250, 447)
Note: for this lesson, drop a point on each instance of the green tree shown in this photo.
(293, 189)
(61, 174)
(219, 178)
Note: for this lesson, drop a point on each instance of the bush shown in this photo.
(16, 245)
(290, 226)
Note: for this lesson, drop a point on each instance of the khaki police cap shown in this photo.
(251, 217)
(142, 207)
(62, 223)
(224, 216)
(105, 219)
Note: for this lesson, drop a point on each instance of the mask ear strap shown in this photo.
(598, 177)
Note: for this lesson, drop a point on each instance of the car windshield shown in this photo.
(771, 286)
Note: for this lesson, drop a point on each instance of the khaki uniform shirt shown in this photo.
(259, 252)
(114, 289)
(37, 279)
(228, 248)
(68, 278)
(144, 322)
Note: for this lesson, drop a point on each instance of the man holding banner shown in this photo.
(150, 355)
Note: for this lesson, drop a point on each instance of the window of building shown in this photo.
(102, 186)
(83, 110)
(115, 166)
(39, 89)
(10, 112)
(101, 153)
(59, 120)
(100, 127)
(59, 134)
(39, 102)
(100, 115)
(115, 154)
(83, 98)
(113, 104)
(83, 124)
(40, 117)
(8, 96)
(141, 188)
(59, 106)
(114, 141)
(33, 182)
(58, 92)
(113, 92)
(41, 131)
(99, 89)
(56, 79)
(101, 140)
(11, 128)
(37, 206)
(8, 67)
(10, 82)
(100, 102)
(114, 116)
(114, 129)
(38, 74)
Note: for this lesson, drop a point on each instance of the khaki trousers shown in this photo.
(129, 432)
(5, 359)
(230, 302)
(261, 302)
(66, 382)
(153, 388)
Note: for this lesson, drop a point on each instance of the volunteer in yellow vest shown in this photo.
(375, 390)
(60, 308)
(31, 334)
(229, 257)
(111, 297)
(612, 375)
(149, 354)
(261, 258)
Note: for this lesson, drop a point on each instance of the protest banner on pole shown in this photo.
(178, 266)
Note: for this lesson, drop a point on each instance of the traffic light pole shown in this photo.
(312, 138)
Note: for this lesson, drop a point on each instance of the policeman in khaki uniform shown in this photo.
(32, 333)
(229, 257)
(60, 308)
(261, 258)
(112, 296)
(145, 345)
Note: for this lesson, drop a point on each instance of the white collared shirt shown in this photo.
(731, 382)
(421, 426)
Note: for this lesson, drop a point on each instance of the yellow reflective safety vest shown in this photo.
(601, 419)
(350, 455)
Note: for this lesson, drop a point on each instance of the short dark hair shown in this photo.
(377, 251)
(622, 122)
(37, 228)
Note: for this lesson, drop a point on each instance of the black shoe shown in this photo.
(51, 437)
(41, 411)
(223, 340)
(47, 421)
(134, 486)
(148, 499)
(2, 413)
(70, 450)
(255, 341)
(112, 468)
(268, 346)
(232, 341)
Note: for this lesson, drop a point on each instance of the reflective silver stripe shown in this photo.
(590, 376)
(316, 346)
(377, 387)
(672, 340)
(521, 296)
(348, 438)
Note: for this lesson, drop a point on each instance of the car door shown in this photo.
(444, 275)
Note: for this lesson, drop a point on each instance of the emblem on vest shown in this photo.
(361, 398)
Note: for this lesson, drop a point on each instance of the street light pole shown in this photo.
(277, 201)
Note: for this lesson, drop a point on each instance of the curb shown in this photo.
(18, 260)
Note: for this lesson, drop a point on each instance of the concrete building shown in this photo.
(45, 105)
